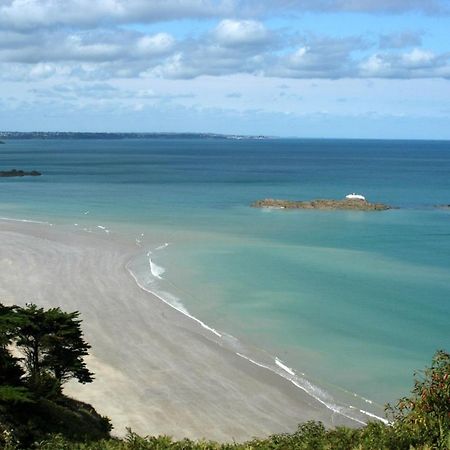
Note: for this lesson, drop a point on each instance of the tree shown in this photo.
(32, 404)
(11, 373)
(53, 346)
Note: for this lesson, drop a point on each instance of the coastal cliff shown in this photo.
(326, 204)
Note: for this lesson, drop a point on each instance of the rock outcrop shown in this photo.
(19, 173)
(345, 204)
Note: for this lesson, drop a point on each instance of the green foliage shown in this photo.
(310, 436)
(52, 343)
(75, 420)
(13, 394)
(427, 410)
(8, 324)
(34, 414)
(32, 406)
(10, 370)
(419, 423)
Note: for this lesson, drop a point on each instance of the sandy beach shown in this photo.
(157, 371)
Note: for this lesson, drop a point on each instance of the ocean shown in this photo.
(352, 302)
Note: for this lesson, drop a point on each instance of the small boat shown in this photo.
(354, 196)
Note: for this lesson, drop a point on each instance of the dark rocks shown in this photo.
(19, 173)
(344, 204)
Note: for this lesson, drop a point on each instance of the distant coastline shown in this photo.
(82, 135)
(13, 135)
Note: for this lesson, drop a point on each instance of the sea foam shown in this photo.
(9, 219)
(156, 270)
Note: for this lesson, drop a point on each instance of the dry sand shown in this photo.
(157, 371)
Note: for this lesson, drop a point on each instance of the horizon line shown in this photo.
(9, 133)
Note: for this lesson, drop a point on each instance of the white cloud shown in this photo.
(94, 47)
(417, 63)
(231, 47)
(42, 70)
(375, 66)
(31, 14)
(418, 58)
(241, 32)
(318, 57)
(154, 45)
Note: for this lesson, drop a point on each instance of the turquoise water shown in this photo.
(356, 300)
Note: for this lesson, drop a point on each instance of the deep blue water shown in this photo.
(357, 300)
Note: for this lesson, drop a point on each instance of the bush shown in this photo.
(426, 413)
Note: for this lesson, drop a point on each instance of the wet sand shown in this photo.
(157, 371)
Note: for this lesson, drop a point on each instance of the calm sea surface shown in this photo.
(355, 300)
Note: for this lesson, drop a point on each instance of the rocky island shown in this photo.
(344, 204)
(19, 173)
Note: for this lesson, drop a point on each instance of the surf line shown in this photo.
(293, 379)
(177, 308)
(26, 221)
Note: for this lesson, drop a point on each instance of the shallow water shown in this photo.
(356, 300)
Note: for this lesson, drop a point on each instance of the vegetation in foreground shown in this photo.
(41, 349)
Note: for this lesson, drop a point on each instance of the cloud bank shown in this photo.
(32, 14)
(241, 64)
(232, 46)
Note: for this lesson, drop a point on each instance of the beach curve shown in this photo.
(157, 370)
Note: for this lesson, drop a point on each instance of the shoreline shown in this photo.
(272, 363)
(158, 371)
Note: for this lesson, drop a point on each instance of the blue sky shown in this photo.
(308, 68)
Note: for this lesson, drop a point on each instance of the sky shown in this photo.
(294, 68)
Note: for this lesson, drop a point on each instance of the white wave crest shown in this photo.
(314, 391)
(367, 413)
(25, 221)
(103, 228)
(284, 367)
(173, 302)
(156, 270)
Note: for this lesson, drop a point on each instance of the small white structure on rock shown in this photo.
(354, 196)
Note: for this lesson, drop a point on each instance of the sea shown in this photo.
(346, 304)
